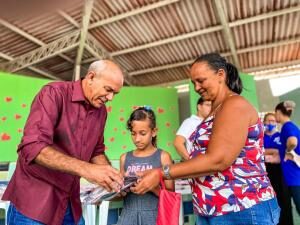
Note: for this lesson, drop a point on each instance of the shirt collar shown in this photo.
(77, 92)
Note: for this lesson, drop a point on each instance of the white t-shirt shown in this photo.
(187, 127)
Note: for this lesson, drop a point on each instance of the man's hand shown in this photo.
(105, 176)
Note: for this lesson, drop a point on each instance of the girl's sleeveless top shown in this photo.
(140, 209)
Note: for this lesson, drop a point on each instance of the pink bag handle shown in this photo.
(162, 183)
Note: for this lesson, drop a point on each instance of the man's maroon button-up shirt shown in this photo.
(60, 117)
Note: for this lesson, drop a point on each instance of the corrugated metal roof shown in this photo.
(155, 41)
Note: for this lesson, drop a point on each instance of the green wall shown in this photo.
(17, 92)
(249, 92)
(162, 100)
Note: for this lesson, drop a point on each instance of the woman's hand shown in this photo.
(292, 155)
(272, 155)
(148, 181)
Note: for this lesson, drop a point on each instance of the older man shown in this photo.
(63, 141)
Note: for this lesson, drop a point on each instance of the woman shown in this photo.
(272, 145)
(229, 184)
(290, 149)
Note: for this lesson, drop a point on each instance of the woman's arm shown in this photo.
(272, 155)
(229, 134)
(165, 160)
(291, 143)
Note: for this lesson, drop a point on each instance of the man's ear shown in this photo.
(90, 77)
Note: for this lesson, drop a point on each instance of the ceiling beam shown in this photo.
(66, 43)
(239, 51)
(98, 51)
(21, 32)
(270, 45)
(265, 16)
(68, 18)
(89, 60)
(96, 48)
(29, 37)
(132, 13)
(87, 12)
(168, 40)
(207, 30)
(271, 66)
(37, 70)
(226, 29)
(169, 66)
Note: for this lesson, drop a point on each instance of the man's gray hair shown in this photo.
(97, 66)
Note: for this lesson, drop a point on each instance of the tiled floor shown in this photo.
(296, 216)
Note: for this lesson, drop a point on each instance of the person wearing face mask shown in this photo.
(272, 159)
(63, 141)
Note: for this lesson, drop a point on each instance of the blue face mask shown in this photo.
(270, 127)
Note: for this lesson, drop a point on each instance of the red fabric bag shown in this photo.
(168, 206)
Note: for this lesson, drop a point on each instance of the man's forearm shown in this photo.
(101, 160)
(53, 159)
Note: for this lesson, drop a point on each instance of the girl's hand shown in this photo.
(148, 181)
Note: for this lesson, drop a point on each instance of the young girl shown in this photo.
(142, 209)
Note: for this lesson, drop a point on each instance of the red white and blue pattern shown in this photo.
(241, 186)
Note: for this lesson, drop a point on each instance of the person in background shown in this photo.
(63, 141)
(142, 209)
(181, 143)
(272, 146)
(230, 183)
(290, 149)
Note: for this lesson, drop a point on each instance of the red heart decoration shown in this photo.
(121, 119)
(168, 124)
(115, 129)
(5, 137)
(20, 130)
(17, 116)
(112, 139)
(23, 105)
(8, 99)
(108, 109)
(160, 110)
(124, 146)
(123, 132)
(3, 118)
